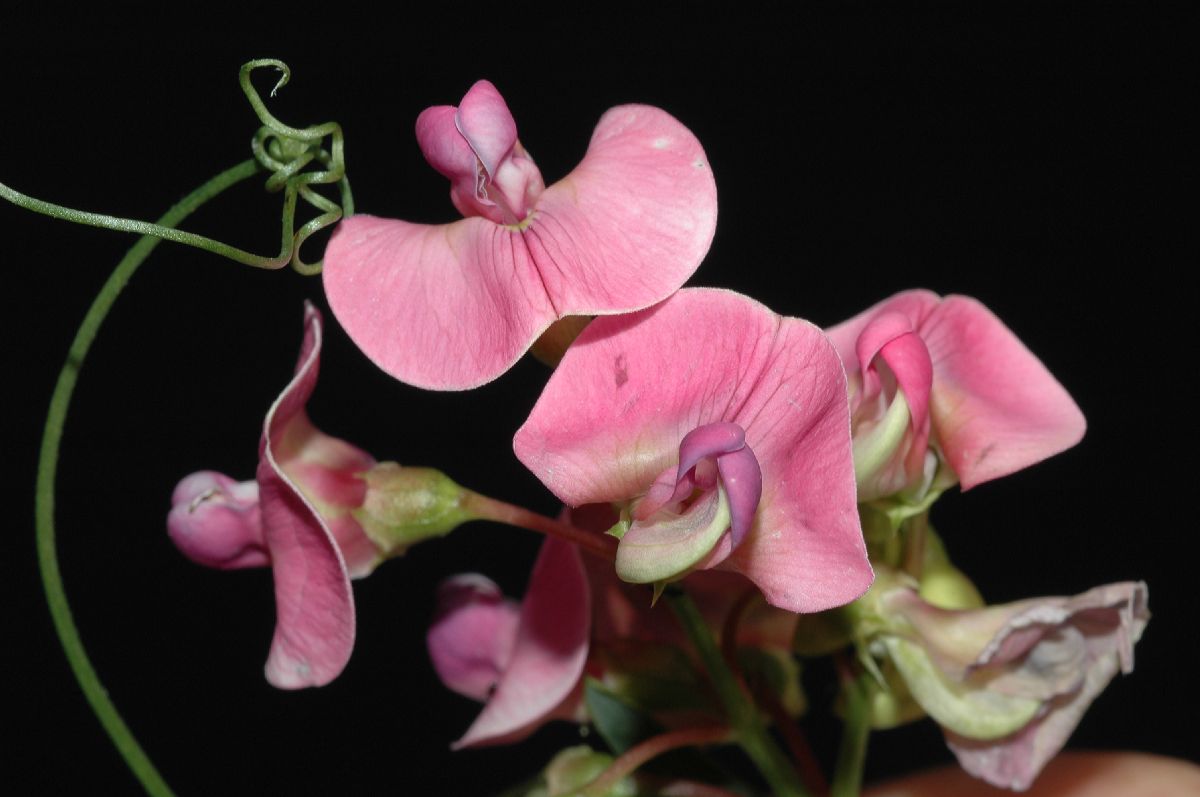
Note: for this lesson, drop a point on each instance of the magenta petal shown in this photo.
(892, 336)
(742, 479)
(708, 440)
(215, 521)
(550, 650)
(630, 388)
(443, 307)
(995, 407)
(471, 639)
(916, 305)
(314, 607)
(486, 123)
(632, 222)
(443, 146)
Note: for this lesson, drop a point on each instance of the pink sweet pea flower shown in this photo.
(722, 430)
(526, 663)
(1008, 684)
(453, 306)
(926, 371)
(297, 516)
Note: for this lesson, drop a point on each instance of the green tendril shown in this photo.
(279, 149)
(60, 401)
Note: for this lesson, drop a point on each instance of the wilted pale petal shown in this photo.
(549, 653)
(630, 388)
(1010, 683)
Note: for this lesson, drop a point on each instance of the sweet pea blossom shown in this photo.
(1008, 684)
(945, 373)
(524, 662)
(646, 410)
(452, 306)
(319, 512)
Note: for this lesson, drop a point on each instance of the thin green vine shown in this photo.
(60, 610)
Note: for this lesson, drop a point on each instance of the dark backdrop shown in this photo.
(1029, 162)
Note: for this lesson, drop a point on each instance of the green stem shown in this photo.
(165, 231)
(852, 755)
(748, 728)
(60, 610)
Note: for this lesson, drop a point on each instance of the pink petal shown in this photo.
(487, 125)
(314, 607)
(443, 146)
(995, 407)
(550, 650)
(632, 222)
(471, 639)
(916, 305)
(452, 307)
(443, 307)
(892, 336)
(215, 521)
(613, 414)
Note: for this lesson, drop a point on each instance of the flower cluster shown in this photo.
(770, 469)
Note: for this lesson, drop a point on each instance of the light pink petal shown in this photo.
(996, 409)
(452, 307)
(215, 521)
(487, 125)
(916, 305)
(550, 650)
(632, 222)
(328, 471)
(443, 307)
(471, 639)
(805, 550)
(314, 607)
(443, 145)
(613, 414)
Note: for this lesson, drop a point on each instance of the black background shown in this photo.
(1032, 161)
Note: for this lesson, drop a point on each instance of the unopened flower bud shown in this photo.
(405, 505)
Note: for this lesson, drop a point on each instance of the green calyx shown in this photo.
(405, 505)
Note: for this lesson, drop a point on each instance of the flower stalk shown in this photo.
(743, 716)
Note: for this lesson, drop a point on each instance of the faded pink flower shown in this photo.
(452, 306)
(297, 516)
(927, 372)
(524, 662)
(1008, 684)
(681, 414)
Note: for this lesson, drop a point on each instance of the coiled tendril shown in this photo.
(282, 150)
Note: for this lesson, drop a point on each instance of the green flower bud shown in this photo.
(404, 506)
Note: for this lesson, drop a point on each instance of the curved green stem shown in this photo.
(56, 597)
(748, 728)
